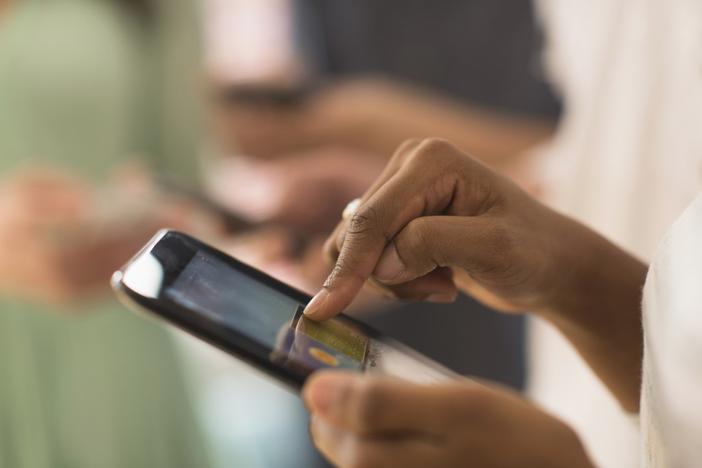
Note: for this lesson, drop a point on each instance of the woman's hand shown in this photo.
(435, 210)
(437, 220)
(364, 421)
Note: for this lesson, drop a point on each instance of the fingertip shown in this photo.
(324, 306)
(332, 299)
(317, 308)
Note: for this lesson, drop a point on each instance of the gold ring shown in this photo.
(351, 208)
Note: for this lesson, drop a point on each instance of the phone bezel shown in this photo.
(224, 338)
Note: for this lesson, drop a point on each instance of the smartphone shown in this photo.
(256, 318)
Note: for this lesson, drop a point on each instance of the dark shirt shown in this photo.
(485, 52)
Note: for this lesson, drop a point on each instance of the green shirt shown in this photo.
(83, 86)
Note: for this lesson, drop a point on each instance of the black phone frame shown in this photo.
(224, 338)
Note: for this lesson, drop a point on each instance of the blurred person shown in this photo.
(326, 145)
(380, 84)
(485, 90)
(85, 86)
(626, 72)
(436, 210)
(375, 83)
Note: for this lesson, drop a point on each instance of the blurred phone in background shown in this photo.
(263, 95)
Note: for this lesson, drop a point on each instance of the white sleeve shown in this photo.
(672, 391)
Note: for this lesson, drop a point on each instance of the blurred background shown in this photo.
(250, 124)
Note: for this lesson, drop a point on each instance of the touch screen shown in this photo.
(224, 295)
(265, 315)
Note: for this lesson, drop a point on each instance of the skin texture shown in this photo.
(437, 221)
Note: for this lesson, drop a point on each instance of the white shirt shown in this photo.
(626, 160)
(671, 401)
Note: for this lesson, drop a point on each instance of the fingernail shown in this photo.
(325, 391)
(316, 305)
(441, 298)
(390, 266)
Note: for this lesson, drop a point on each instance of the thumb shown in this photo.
(438, 241)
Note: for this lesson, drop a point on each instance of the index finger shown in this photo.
(320, 307)
(333, 245)
(368, 232)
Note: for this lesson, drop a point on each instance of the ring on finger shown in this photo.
(351, 208)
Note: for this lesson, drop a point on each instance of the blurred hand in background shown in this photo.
(68, 236)
(311, 153)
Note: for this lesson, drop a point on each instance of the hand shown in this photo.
(435, 220)
(61, 245)
(366, 114)
(364, 421)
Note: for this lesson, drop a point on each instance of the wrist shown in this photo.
(597, 306)
(594, 275)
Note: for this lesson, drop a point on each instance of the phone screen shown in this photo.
(235, 300)
(231, 296)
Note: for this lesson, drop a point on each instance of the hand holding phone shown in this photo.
(64, 237)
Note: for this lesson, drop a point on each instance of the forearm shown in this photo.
(389, 113)
(498, 139)
(598, 308)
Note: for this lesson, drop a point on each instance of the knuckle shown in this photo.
(417, 230)
(361, 222)
(410, 144)
(404, 149)
(419, 246)
(436, 147)
(366, 222)
(430, 151)
(421, 157)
